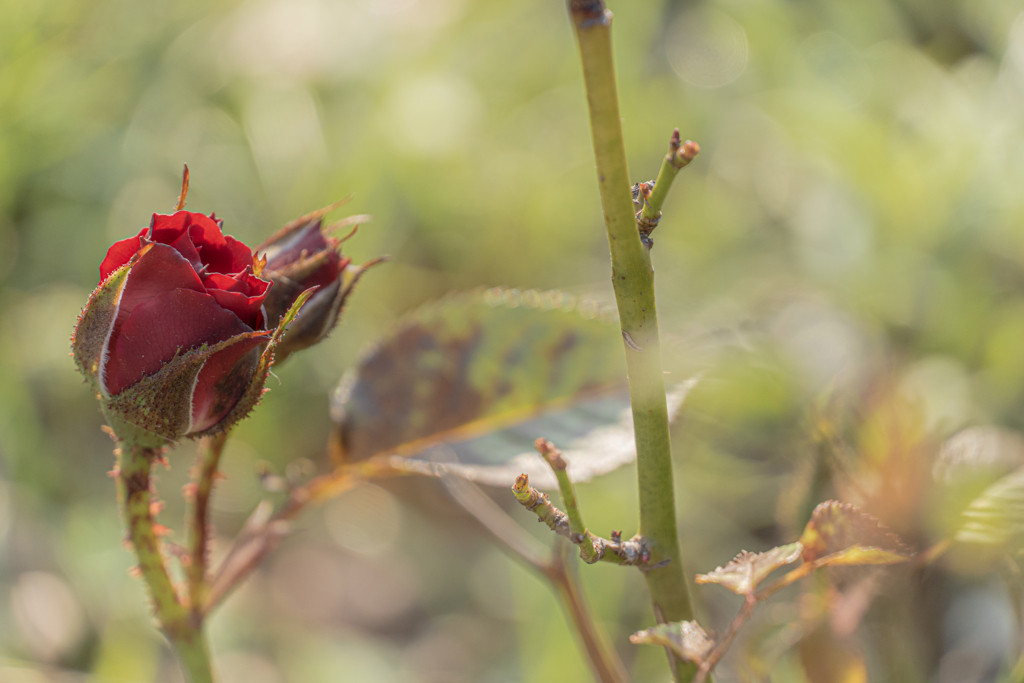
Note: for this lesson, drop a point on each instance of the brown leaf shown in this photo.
(743, 575)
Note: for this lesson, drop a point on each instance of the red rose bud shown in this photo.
(303, 255)
(174, 339)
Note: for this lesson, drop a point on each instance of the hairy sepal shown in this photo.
(161, 404)
(89, 340)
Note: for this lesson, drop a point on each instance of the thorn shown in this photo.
(135, 572)
(674, 142)
(156, 507)
(616, 536)
(161, 530)
(184, 190)
(188, 491)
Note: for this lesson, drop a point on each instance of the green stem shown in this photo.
(184, 632)
(198, 524)
(679, 155)
(633, 281)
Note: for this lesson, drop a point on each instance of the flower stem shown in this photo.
(183, 630)
(199, 523)
(633, 280)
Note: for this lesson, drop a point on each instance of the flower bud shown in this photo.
(174, 339)
(300, 256)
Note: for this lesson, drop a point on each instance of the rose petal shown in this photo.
(159, 327)
(222, 381)
(161, 269)
(244, 282)
(222, 253)
(120, 253)
(247, 308)
(168, 229)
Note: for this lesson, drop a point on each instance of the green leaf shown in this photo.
(835, 527)
(485, 374)
(996, 517)
(686, 638)
(746, 572)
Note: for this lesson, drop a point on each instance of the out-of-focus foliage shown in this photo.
(844, 262)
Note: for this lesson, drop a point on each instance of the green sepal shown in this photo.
(94, 325)
(161, 404)
(254, 392)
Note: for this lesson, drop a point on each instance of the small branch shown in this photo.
(614, 550)
(654, 194)
(184, 632)
(604, 660)
(199, 524)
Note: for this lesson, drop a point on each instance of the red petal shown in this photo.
(159, 327)
(222, 381)
(247, 308)
(119, 254)
(222, 253)
(168, 229)
(161, 269)
(185, 247)
(244, 282)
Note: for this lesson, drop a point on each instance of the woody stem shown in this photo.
(184, 632)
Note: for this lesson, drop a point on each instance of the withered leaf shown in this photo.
(835, 527)
(747, 570)
(686, 638)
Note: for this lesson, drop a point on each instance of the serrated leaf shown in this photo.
(485, 374)
(686, 638)
(747, 570)
(996, 517)
(835, 527)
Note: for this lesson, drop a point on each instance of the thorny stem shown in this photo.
(184, 632)
(616, 551)
(604, 660)
(199, 523)
(633, 280)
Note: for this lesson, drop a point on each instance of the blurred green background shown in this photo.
(853, 227)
